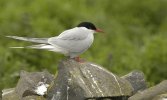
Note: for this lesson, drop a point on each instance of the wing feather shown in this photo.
(71, 39)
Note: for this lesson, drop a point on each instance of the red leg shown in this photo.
(77, 59)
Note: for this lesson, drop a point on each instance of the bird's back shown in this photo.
(75, 41)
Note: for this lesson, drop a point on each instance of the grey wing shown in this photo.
(70, 40)
(73, 34)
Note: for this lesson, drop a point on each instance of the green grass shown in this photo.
(135, 35)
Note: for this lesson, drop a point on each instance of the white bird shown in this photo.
(71, 42)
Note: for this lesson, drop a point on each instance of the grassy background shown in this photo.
(135, 35)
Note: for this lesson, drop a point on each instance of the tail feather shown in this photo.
(17, 47)
(48, 47)
(41, 46)
(36, 40)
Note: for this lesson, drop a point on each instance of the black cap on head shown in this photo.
(87, 25)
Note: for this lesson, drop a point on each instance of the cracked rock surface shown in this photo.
(79, 81)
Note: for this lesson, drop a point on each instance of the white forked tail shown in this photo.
(43, 44)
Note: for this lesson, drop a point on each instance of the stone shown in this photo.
(80, 81)
(27, 85)
(34, 97)
(161, 97)
(29, 81)
(151, 92)
(137, 80)
(9, 94)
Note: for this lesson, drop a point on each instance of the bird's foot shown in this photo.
(78, 59)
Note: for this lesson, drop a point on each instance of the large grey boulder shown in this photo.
(80, 81)
(137, 80)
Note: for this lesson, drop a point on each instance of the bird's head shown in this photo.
(90, 26)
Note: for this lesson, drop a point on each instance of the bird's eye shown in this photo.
(88, 27)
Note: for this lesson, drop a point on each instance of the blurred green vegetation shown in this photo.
(135, 35)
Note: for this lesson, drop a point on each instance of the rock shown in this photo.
(161, 97)
(80, 81)
(27, 85)
(9, 94)
(28, 82)
(137, 80)
(34, 97)
(150, 93)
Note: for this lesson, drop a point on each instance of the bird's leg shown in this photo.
(77, 59)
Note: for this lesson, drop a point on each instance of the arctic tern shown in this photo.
(71, 42)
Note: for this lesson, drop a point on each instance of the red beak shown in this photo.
(99, 30)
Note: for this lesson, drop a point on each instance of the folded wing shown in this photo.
(71, 40)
